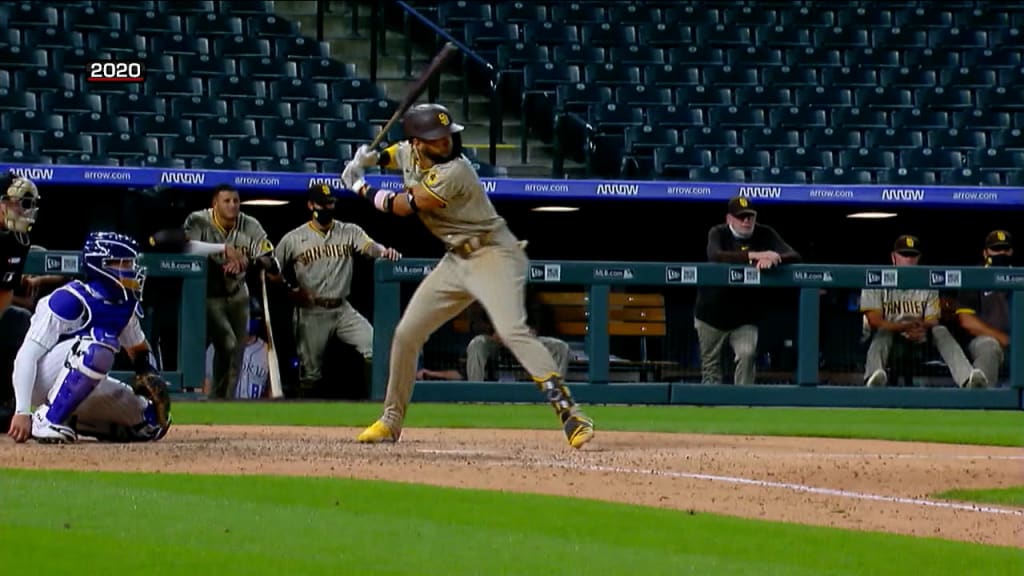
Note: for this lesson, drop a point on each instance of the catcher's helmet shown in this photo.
(429, 122)
(112, 265)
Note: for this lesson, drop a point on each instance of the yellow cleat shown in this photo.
(579, 430)
(376, 433)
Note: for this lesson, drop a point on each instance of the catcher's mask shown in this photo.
(20, 198)
(112, 263)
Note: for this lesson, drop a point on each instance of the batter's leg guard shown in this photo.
(89, 362)
(578, 428)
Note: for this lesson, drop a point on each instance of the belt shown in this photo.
(471, 245)
(328, 302)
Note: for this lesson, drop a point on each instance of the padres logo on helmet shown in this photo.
(429, 122)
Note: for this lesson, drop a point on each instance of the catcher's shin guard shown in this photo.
(578, 428)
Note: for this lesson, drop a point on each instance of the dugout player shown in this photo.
(316, 264)
(484, 262)
(731, 314)
(19, 199)
(906, 318)
(227, 297)
(984, 315)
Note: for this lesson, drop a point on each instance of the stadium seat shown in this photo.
(904, 176)
(799, 118)
(608, 34)
(190, 7)
(212, 25)
(577, 13)
(324, 111)
(579, 97)
(134, 105)
(354, 131)
(378, 111)
(694, 55)
(516, 12)
(161, 126)
(918, 119)
(670, 75)
(955, 139)
(823, 97)
(88, 18)
(160, 64)
(968, 177)
(71, 102)
(893, 139)
(790, 77)
(676, 116)
(256, 148)
(173, 85)
(736, 117)
(179, 44)
(117, 42)
(460, 12)
(771, 138)
(708, 138)
(32, 15)
(97, 124)
(63, 142)
(126, 145)
(867, 159)
(19, 58)
(661, 35)
(290, 129)
(205, 66)
(52, 38)
(743, 158)
(717, 174)
(996, 159)
(267, 68)
(611, 74)
(578, 54)
(863, 119)
(491, 34)
(1010, 139)
(325, 70)
(841, 176)
(242, 47)
(198, 107)
(217, 162)
(356, 90)
(271, 26)
(676, 162)
(320, 150)
(941, 98)
(776, 175)
(30, 121)
(637, 55)
(150, 23)
(225, 128)
(297, 90)
(236, 88)
(761, 97)
(803, 159)
(12, 141)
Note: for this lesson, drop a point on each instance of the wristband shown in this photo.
(383, 200)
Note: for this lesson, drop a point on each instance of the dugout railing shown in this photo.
(188, 366)
(598, 278)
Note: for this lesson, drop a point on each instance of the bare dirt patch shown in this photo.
(855, 484)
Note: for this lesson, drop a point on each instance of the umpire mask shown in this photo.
(323, 215)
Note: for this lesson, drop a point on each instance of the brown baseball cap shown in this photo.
(998, 239)
(907, 245)
(741, 206)
(320, 194)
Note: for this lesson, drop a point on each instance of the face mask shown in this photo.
(999, 260)
(323, 216)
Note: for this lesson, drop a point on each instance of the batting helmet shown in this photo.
(429, 122)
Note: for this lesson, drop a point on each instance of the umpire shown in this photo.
(723, 313)
(316, 264)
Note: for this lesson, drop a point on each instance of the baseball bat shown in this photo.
(276, 390)
(416, 89)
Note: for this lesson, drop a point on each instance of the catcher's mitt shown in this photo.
(154, 388)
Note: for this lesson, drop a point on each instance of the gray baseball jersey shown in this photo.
(467, 212)
(247, 237)
(323, 261)
(902, 305)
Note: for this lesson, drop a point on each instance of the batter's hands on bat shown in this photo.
(353, 175)
(366, 157)
(391, 254)
(21, 427)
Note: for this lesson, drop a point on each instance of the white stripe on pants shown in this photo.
(111, 402)
(742, 340)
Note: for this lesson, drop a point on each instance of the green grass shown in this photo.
(182, 524)
(997, 428)
(1013, 496)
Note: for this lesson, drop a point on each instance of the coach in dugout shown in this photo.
(904, 319)
(724, 313)
(984, 315)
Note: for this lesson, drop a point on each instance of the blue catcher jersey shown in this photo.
(103, 320)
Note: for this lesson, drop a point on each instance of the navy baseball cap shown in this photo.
(320, 194)
(907, 245)
(999, 239)
(741, 206)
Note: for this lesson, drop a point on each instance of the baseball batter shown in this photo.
(316, 260)
(484, 262)
(227, 296)
(76, 332)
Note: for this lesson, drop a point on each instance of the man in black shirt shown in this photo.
(985, 315)
(18, 199)
(723, 313)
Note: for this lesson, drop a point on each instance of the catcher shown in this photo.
(485, 262)
(64, 364)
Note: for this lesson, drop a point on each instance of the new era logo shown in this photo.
(681, 275)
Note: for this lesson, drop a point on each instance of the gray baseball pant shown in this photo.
(951, 352)
(742, 340)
